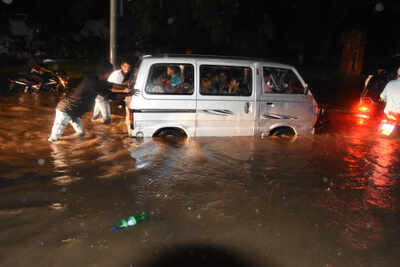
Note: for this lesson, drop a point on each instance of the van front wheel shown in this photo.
(283, 132)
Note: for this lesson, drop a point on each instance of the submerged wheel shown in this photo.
(170, 132)
(283, 132)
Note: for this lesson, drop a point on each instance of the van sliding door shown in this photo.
(225, 102)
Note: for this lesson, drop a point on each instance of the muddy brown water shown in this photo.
(326, 200)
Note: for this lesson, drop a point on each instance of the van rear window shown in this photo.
(225, 80)
(171, 79)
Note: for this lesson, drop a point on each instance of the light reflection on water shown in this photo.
(350, 181)
(363, 206)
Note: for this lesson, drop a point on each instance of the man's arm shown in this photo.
(367, 80)
(123, 88)
(383, 96)
(119, 88)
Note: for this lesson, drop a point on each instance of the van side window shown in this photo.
(225, 80)
(281, 81)
(168, 78)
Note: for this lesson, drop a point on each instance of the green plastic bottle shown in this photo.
(131, 221)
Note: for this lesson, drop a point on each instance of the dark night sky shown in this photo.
(60, 8)
(363, 15)
(55, 6)
(48, 11)
(310, 24)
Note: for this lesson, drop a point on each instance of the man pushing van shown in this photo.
(81, 100)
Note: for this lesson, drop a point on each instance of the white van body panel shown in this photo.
(296, 111)
(155, 112)
(219, 115)
(197, 114)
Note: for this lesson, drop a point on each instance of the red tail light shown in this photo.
(363, 112)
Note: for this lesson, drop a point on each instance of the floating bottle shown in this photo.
(131, 221)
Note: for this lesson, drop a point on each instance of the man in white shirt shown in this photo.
(391, 95)
(102, 104)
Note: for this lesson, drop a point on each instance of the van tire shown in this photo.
(169, 132)
(283, 132)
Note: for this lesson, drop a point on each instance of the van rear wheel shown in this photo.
(168, 133)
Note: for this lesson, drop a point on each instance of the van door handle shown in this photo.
(247, 107)
(270, 104)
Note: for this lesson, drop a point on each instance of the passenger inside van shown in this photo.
(170, 79)
(226, 80)
(185, 88)
(246, 78)
(223, 85)
(268, 84)
(281, 82)
(205, 87)
(188, 75)
(294, 88)
(233, 88)
(290, 84)
(175, 78)
(157, 84)
(214, 83)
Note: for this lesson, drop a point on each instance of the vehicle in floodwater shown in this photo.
(193, 95)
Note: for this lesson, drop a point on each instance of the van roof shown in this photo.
(213, 57)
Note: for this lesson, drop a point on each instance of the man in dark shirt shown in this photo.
(81, 100)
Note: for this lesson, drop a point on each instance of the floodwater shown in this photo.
(326, 200)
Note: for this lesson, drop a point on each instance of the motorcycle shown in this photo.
(38, 80)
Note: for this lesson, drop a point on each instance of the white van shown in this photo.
(192, 95)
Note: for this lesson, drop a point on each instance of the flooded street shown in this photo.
(326, 200)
